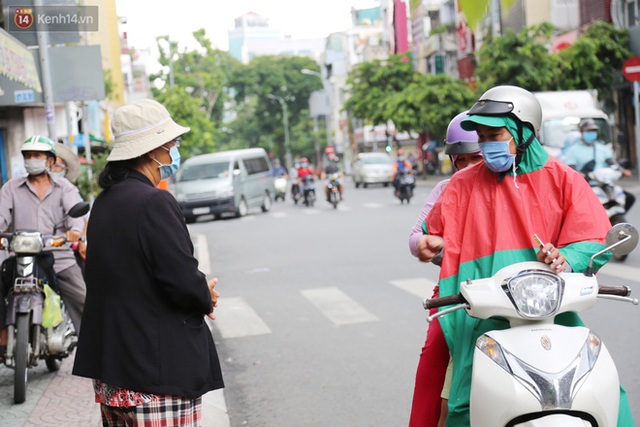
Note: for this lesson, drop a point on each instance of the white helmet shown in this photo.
(510, 101)
(39, 143)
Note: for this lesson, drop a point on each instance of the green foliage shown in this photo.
(520, 59)
(595, 60)
(260, 119)
(428, 103)
(89, 188)
(370, 83)
(392, 90)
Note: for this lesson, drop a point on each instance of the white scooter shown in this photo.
(537, 373)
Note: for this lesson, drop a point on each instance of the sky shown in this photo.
(148, 19)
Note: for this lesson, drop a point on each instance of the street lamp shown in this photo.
(328, 99)
(285, 122)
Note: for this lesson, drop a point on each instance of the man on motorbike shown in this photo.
(278, 170)
(331, 168)
(589, 153)
(401, 164)
(487, 215)
(40, 202)
(463, 150)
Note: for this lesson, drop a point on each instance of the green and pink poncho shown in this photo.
(487, 223)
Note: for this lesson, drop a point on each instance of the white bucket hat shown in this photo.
(70, 159)
(141, 127)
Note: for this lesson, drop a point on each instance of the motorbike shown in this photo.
(611, 195)
(38, 325)
(539, 373)
(280, 187)
(406, 183)
(334, 189)
(309, 190)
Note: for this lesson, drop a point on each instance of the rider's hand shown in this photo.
(214, 296)
(73, 235)
(551, 255)
(429, 246)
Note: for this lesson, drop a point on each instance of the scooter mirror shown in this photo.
(79, 209)
(625, 233)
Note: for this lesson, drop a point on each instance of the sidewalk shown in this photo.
(61, 399)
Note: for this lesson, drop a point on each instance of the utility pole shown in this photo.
(43, 53)
(285, 123)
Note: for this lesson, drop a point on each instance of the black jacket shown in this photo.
(143, 324)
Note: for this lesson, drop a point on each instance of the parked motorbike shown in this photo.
(38, 325)
(309, 190)
(406, 184)
(280, 187)
(539, 373)
(334, 189)
(611, 195)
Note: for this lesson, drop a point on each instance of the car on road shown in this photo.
(372, 168)
(225, 182)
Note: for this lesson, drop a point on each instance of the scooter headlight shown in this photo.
(535, 293)
(27, 243)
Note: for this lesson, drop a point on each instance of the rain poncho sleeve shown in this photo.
(487, 223)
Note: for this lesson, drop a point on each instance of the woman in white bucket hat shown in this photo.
(146, 345)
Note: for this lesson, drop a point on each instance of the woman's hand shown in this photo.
(214, 296)
(428, 247)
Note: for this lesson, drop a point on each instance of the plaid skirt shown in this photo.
(165, 411)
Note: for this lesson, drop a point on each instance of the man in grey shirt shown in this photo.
(40, 201)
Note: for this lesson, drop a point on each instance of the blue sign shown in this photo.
(21, 96)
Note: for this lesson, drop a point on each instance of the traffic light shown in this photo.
(388, 148)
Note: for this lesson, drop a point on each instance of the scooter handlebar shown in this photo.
(621, 291)
(428, 304)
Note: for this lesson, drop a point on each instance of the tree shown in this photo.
(371, 83)
(427, 105)
(521, 59)
(594, 60)
(260, 117)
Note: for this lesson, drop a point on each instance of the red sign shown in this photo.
(329, 149)
(631, 69)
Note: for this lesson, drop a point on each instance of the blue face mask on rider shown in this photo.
(497, 156)
(167, 170)
(590, 136)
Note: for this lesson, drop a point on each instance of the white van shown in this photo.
(562, 111)
(225, 182)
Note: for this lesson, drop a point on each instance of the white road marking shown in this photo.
(374, 205)
(279, 214)
(235, 318)
(201, 249)
(420, 287)
(337, 306)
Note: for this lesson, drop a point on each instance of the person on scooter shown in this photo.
(278, 170)
(145, 343)
(40, 201)
(463, 150)
(487, 216)
(331, 168)
(401, 164)
(590, 154)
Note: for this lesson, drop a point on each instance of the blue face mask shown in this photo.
(167, 170)
(497, 156)
(590, 136)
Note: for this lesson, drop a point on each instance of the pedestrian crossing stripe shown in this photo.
(420, 287)
(338, 306)
(235, 318)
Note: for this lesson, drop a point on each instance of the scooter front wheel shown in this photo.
(21, 353)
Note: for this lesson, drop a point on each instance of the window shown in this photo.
(256, 165)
